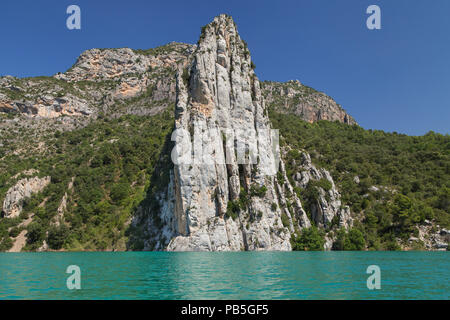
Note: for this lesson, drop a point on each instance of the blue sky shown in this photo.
(393, 79)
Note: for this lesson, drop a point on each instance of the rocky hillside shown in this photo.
(100, 81)
(292, 97)
(87, 161)
(229, 205)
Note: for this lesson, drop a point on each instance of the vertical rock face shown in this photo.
(225, 194)
(12, 205)
(328, 205)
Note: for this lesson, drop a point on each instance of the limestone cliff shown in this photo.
(107, 80)
(233, 205)
(327, 205)
(172, 148)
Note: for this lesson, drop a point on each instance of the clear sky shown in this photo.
(393, 79)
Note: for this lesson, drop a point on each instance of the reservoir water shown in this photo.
(237, 275)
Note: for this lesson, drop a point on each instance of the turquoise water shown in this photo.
(240, 275)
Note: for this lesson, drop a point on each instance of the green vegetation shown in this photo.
(112, 163)
(285, 220)
(57, 236)
(284, 103)
(186, 77)
(273, 207)
(233, 210)
(310, 239)
(35, 86)
(403, 179)
(353, 240)
(256, 191)
(161, 50)
(118, 164)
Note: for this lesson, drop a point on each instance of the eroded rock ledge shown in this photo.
(24, 188)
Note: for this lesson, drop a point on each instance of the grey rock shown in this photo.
(441, 245)
(222, 91)
(329, 204)
(311, 105)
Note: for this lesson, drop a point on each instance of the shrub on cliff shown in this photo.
(57, 236)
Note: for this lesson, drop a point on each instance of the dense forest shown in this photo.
(392, 182)
(111, 162)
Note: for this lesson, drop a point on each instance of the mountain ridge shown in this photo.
(128, 73)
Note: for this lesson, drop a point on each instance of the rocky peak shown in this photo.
(221, 74)
(100, 79)
(112, 64)
(232, 205)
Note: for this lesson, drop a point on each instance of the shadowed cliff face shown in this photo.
(293, 97)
